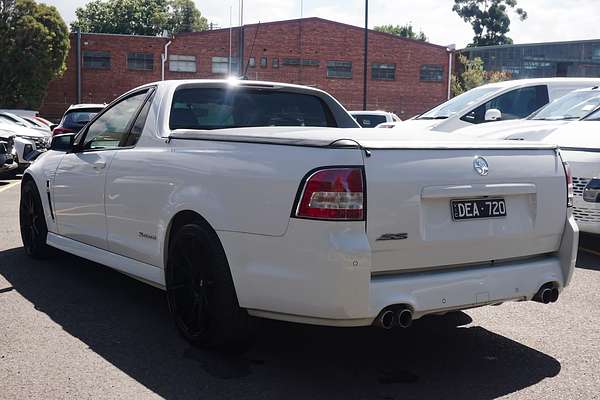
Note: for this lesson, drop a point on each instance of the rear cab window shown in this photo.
(76, 119)
(515, 104)
(222, 108)
(369, 120)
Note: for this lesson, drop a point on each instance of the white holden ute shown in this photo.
(243, 198)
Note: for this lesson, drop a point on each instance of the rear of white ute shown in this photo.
(419, 231)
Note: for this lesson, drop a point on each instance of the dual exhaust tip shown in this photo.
(400, 316)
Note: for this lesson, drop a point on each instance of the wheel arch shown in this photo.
(177, 221)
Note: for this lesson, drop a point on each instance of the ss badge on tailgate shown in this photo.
(393, 236)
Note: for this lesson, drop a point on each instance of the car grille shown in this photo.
(584, 214)
(40, 143)
(579, 184)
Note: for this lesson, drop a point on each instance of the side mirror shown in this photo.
(493, 114)
(62, 142)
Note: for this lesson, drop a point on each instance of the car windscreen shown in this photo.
(76, 119)
(369, 120)
(574, 105)
(595, 116)
(454, 105)
(222, 108)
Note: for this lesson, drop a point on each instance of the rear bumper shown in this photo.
(336, 287)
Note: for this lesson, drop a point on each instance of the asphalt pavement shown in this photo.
(71, 328)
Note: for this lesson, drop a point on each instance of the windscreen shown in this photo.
(457, 103)
(593, 117)
(369, 120)
(222, 108)
(76, 119)
(574, 105)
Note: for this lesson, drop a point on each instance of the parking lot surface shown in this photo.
(71, 328)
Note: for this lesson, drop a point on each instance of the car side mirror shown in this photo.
(493, 114)
(62, 142)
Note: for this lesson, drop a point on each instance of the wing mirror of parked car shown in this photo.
(493, 114)
(62, 142)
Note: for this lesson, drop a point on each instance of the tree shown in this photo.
(139, 17)
(185, 17)
(34, 42)
(471, 75)
(406, 31)
(489, 19)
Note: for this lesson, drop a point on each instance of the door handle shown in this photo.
(99, 165)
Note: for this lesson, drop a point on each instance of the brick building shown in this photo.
(405, 76)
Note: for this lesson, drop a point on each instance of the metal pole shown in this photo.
(366, 64)
(230, 35)
(78, 64)
(241, 60)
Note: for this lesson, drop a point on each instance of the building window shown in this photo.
(339, 69)
(264, 62)
(96, 59)
(383, 72)
(275, 63)
(311, 63)
(182, 63)
(220, 65)
(290, 61)
(432, 73)
(252, 62)
(140, 61)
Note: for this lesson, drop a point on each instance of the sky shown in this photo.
(549, 20)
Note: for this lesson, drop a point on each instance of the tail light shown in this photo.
(569, 177)
(59, 131)
(333, 194)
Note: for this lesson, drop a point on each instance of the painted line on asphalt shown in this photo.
(10, 185)
(596, 253)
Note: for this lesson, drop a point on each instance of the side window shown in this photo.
(138, 125)
(112, 126)
(516, 104)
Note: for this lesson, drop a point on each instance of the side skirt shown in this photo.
(144, 272)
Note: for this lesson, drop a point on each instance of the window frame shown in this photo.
(377, 67)
(339, 62)
(144, 60)
(80, 138)
(95, 54)
(429, 68)
(264, 62)
(189, 60)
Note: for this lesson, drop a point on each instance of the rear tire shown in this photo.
(201, 293)
(32, 221)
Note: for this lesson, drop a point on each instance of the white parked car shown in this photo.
(372, 119)
(496, 101)
(244, 198)
(566, 109)
(7, 153)
(27, 141)
(580, 147)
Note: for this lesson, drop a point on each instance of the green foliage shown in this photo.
(406, 31)
(139, 17)
(34, 42)
(185, 17)
(472, 75)
(489, 19)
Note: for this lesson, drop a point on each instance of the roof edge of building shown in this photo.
(287, 21)
(504, 46)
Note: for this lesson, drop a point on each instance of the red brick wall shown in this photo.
(311, 38)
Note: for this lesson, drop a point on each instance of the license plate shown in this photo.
(480, 208)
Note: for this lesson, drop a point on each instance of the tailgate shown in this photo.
(412, 226)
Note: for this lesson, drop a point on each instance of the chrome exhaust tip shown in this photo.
(545, 295)
(385, 319)
(404, 318)
(553, 297)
